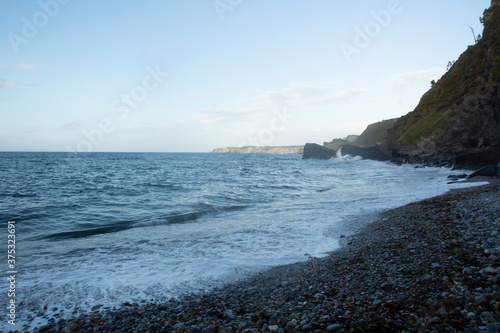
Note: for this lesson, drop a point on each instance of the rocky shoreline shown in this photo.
(430, 266)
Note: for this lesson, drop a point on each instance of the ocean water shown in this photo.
(101, 229)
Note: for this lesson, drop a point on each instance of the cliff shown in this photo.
(375, 133)
(459, 117)
(336, 143)
(261, 150)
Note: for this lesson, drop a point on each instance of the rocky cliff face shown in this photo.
(372, 136)
(375, 133)
(337, 143)
(261, 150)
(460, 114)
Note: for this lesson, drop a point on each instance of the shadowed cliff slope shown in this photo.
(375, 133)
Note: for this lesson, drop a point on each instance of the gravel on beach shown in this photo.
(429, 266)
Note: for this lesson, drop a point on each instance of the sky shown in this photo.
(194, 75)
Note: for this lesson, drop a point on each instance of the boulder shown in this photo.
(315, 151)
(457, 177)
(489, 171)
(477, 158)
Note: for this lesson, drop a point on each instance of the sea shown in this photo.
(93, 231)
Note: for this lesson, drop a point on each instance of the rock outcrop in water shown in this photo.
(315, 151)
(370, 153)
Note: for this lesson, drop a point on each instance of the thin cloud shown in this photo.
(303, 90)
(408, 79)
(22, 66)
(294, 95)
(27, 67)
(276, 99)
(302, 94)
(11, 83)
(355, 127)
(71, 126)
(341, 96)
(213, 116)
(30, 129)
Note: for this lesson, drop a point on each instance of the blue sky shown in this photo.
(193, 75)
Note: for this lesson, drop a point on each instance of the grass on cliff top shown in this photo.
(469, 73)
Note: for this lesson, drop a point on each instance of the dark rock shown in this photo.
(457, 177)
(334, 327)
(273, 328)
(46, 328)
(370, 153)
(307, 327)
(435, 266)
(481, 300)
(315, 151)
(229, 314)
(489, 171)
(195, 329)
(476, 158)
(491, 271)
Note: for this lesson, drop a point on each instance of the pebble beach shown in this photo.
(429, 266)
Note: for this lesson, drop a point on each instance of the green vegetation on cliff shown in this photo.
(455, 111)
